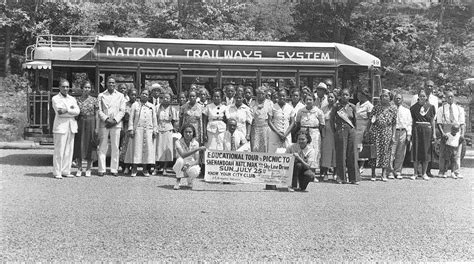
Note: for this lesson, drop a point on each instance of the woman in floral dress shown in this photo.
(191, 113)
(382, 133)
(84, 143)
(261, 111)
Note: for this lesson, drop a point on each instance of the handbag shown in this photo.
(368, 152)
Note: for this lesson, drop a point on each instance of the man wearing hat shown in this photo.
(321, 98)
(155, 94)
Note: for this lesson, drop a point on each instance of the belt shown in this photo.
(400, 129)
(311, 127)
(423, 123)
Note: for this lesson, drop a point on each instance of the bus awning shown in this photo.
(37, 65)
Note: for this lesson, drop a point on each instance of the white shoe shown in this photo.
(425, 177)
(69, 175)
(79, 173)
(88, 173)
(58, 176)
(391, 177)
(454, 176)
(413, 177)
(460, 176)
(442, 175)
(133, 174)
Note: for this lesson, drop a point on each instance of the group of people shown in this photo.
(321, 128)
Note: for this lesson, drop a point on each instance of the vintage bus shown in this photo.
(177, 64)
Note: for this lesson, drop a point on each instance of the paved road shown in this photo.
(123, 218)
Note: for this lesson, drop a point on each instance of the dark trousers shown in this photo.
(302, 176)
(347, 154)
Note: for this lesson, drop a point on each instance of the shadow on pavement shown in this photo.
(41, 175)
(37, 160)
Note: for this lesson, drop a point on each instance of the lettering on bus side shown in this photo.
(141, 52)
(309, 55)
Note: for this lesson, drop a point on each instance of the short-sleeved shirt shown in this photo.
(444, 116)
(165, 118)
(310, 118)
(308, 154)
(238, 137)
(241, 114)
(215, 115)
(298, 107)
(184, 148)
(363, 110)
(261, 112)
(281, 116)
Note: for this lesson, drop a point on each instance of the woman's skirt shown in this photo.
(274, 141)
(328, 148)
(422, 147)
(164, 146)
(361, 126)
(142, 149)
(215, 141)
(125, 155)
(315, 144)
(84, 141)
(259, 138)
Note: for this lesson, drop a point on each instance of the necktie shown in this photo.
(451, 114)
(232, 143)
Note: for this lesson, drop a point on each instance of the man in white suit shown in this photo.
(111, 112)
(64, 128)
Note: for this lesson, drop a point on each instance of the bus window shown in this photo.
(206, 78)
(168, 82)
(240, 78)
(277, 79)
(312, 81)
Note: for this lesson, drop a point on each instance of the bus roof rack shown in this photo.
(69, 41)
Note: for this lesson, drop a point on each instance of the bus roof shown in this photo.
(216, 52)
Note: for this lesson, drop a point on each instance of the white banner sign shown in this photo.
(248, 167)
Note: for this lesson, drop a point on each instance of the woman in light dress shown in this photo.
(125, 156)
(142, 129)
(261, 112)
(213, 121)
(241, 113)
(281, 123)
(328, 147)
(167, 117)
(311, 119)
(363, 109)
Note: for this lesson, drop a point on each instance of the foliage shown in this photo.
(13, 83)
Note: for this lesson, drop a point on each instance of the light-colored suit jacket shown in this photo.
(111, 105)
(65, 122)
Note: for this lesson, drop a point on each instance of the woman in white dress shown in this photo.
(311, 119)
(213, 121)
(167, 119)
(281, 122)
(363, 109)
(142, 129)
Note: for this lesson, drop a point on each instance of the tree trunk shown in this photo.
(8, 38)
